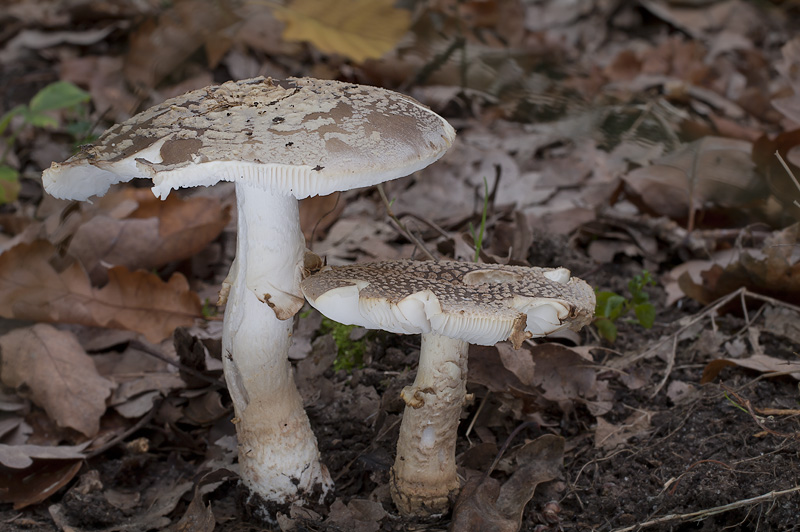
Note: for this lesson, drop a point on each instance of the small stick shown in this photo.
(401, 225)
(702, 514)
(791, 174)
(140, 346)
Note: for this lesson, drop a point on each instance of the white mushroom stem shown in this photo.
(424, 473)
(278, 455)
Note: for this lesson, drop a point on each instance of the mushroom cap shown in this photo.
(302, 137)
(478, 303)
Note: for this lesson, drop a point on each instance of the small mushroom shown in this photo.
(452, 304)
(277, 141)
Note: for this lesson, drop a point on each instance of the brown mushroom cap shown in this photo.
(301, 137)
(479, 303)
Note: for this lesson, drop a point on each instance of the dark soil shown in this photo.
(702, 453)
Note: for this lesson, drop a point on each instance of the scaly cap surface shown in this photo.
(479, 303)
(302, 137)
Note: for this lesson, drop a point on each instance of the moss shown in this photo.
(350, 354)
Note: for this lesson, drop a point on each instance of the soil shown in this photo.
(699, 452)
(689, 454)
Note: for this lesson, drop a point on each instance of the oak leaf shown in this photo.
(155, 233)
(358, 29)
(32, 289)
(56, 373)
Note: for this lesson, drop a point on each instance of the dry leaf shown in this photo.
(318, 213)
(23, 456)
(774, 271)
(198, 516)
(761, 363)
(484, 505)
(608, 436)
(710, 172)
(357, 29)
(156, 233)
(57, 375)
(32, 485)
(158, 47)
(32, 289)
(359, 515)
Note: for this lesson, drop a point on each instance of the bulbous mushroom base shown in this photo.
(424, 479)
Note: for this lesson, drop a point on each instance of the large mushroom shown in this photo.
(277, 141)
(452, 304)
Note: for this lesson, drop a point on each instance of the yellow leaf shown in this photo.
(358, 29)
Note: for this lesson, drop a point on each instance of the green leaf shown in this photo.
(9, 184)
(609, 305)
(646, 314)
(39, 119)
(606, 329)
(5, 120)
(8, 174)
(58, 95)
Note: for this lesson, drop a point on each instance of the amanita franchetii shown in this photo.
(452, 304)
(277, 141)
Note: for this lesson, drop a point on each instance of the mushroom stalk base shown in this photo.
(424, 473)
(278, 455)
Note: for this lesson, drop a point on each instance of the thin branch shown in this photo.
(414, 240)
(708, 310)
(702, 514)
(791, 174)
(140, 346)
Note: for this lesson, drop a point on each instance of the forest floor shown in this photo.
(625, 141)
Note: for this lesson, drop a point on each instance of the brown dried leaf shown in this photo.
(779, 181)
(486, 368)
(158, 47)
(23, 456)
(57, 374)
(518, 361)
(760, 363)
(318, 213)
(359, 515)
(155, 233)
(34, 484)
(484, 505)
(608, 436)
(710, 172)
(774, 272)
(32, 289)
(198, 516)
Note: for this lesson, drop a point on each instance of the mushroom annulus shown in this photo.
(451, 304)
(277, 141)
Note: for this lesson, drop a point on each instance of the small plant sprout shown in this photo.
(39, 112)
(477, 237)
(612, 306)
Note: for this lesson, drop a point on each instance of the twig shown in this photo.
(670, 365)
(139, 424)
(702, 514)
(789, 171)
(401, 225)
(708, 310)
(477, 413)
(506, 443)
(745, 403)
(140, 346)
